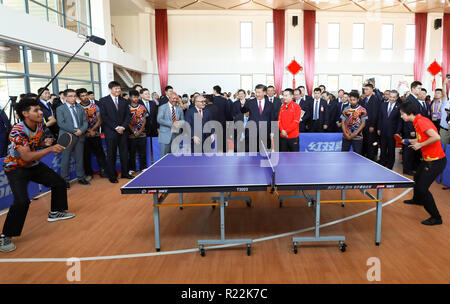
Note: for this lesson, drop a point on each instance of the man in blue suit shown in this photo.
(261, 110)
(193, 117)
(388, 125)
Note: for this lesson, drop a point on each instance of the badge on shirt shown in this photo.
(321, 109)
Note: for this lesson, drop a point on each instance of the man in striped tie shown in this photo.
(170, 117)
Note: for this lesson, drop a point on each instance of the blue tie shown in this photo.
(316, 112)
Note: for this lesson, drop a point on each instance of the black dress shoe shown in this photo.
(113, 180)
(432, 221)
(83, 181)
(103, 173)
(412, 202)
(128, 176)
(67, 185)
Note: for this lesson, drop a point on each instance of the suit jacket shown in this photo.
(323, 116)
(164, 119)
(213, 111)
(163, 100)
(189, 118)
(223, 110)
(372, 107)
(340, 107)
(332, 112)
(151, 124)
(277, 105)
(389, 125)
(65, 119)
(268, 114)
(407, 127)
(111, 117)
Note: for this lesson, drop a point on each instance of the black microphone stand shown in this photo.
(62, 68)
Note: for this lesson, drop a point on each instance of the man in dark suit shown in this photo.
(306, 103)
(115, 119)
(411, 158)
(197, 116)
(5, 128)
(241, 140)
(271, 95)
(319, 121)
(424, 107)
(344, 103)
(332, 112)
(165, 98)
(47, 111)
(372, 106)
(151, 124)
(223, 115)
(388, 125)
(261, 111)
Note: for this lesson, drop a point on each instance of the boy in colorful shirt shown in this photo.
(137, 140)
(353, 122)
(22, 165)
(93, 143)
(433, 163)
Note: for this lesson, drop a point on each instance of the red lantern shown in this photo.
(294, 67)
(434, 69)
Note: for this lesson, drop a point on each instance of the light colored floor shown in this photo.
(108, 223)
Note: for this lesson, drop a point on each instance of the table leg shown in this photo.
(378, 221)
(156, 220)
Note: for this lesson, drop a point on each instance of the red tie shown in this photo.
(260, 108)
(201, 116)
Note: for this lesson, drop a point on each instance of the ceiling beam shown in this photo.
(358, 5)
(407, 7)
(240, 4)
(189, 4)
(214, 5)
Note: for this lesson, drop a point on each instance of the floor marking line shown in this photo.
(149, 254)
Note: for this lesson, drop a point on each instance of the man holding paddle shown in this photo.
(22, 165)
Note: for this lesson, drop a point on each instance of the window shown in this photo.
(270, 80)
(11, 58)
(357, 82)
(333, 83)
(246, 35)
(316, 42)
(333, 35)
(247, 83)
(269, 35)
(387, 36)
(358, 35)
(316, 83)
(410, 37)
(25, 69)
(74, 15)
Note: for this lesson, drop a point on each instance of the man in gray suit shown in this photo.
(169, 118)
(72, 119)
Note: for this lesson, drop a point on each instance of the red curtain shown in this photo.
(278, 49)
(162, 49)
(309, 38)
(446, 49)
(421, 39)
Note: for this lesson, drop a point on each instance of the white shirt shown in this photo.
(73, 112)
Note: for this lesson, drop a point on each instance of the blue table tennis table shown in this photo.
(242, 172)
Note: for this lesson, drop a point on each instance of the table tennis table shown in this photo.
(243, 172)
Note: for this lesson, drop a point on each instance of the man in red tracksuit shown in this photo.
(288, 122)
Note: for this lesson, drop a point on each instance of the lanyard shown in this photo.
(439, 108)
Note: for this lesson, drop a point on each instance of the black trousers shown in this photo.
(356, 144)
(316, 126)
(93, 145)
(289, 144)
(411, 159)
(18, 181)
(424, 177)
(137, 146)
(369, 150)
(387, 157)
(114, 142)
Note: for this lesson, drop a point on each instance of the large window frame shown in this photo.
(62, 14)
(91, 85)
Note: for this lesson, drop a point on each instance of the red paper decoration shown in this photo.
(294, 67)
(434, 68)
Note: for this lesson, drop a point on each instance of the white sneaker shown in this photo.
(59, 216)
(131, 172)
(6, 244)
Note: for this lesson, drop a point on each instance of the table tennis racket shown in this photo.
(65, 140)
